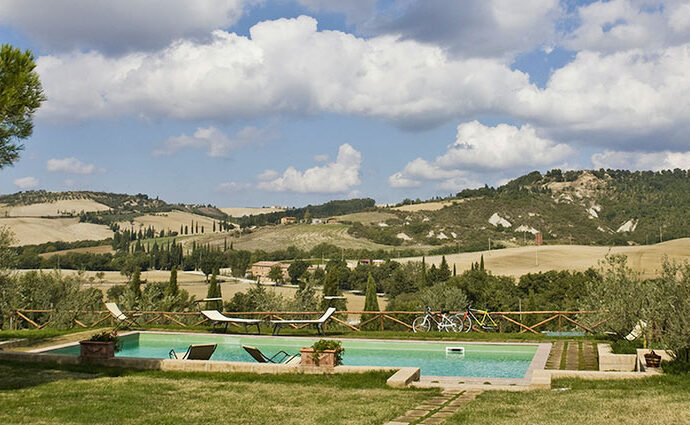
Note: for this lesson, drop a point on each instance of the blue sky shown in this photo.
(249, 103)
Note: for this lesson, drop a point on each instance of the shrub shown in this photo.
(328, 344)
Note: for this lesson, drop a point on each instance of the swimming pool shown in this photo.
(477, 360)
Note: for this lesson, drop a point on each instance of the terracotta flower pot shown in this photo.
(652, 359)
(326, 358)
(97, 349)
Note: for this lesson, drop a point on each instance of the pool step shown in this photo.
(572, 355)
(554, 360)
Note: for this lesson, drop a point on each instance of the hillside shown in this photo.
(518, 261)
(600, 207)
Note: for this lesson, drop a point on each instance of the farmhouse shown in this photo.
(263, 268)
(288, 220)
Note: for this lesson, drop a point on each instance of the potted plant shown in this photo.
(651, 359)
(102, 345)
(323, 353)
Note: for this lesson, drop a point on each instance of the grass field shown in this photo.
(369, 217)
(33, 230)
(87, 395)
(646, 259)
(244, 211)
(662, 400)
(426, 206)
(100, 249)
(52, 209)
(170, 221)
(303, 236)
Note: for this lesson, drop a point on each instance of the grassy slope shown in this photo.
(659, 400)
(518, 261)
(29, 394)
(303, 236)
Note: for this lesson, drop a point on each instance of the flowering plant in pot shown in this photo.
(325, 353)
(101, 345)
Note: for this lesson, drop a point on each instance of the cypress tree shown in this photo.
(173, 288)
(135, 283)
(424, 278)
(455, 271)
(214, 227)
(443, 270)
(481, 263)
(371, 303)
(214, 290)
(185, 229)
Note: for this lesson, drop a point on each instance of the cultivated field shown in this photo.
(244, 211)
(170, 221)
(371, 217)
(52, 209)
(303, 236)
(100, 249)
(518, 261)
(427, 206)
(33, 230)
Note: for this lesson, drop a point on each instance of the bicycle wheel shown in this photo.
(455, 323)
(421, 324)
(467, 324)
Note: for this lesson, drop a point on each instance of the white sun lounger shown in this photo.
(318, 323)
(217, 317)
(637, 331)
(121, 317)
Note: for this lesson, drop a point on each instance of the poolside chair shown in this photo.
(121, 317)
(318, 323)
(284, 358)
(217, 317)
(195, 352)
(637, 331)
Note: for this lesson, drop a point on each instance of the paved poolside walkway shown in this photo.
(436, 410)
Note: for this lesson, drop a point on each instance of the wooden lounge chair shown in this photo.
(121, 317)
(217, 317)
(281, 357)
(195, 352)
(318, 323)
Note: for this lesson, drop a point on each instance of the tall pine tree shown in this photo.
(371, 303)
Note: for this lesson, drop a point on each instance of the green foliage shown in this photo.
(214, 290)
(328, 344)
(371, 303)
(107, 336)
(335, 272)
(256, 298)
(442, 296)
(305, 297)
(276, 274)
(21, 95)
(43, 291)
(329, 209)
(296, 270)
(669, 310)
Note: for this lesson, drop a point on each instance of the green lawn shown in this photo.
(663, 400)
(80, 395)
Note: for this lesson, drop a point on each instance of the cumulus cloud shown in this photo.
(479, 149)
(232, 187)
(321, 157)
(70, 165)
(655, 161)
(616, 25)
(478, 28)
(214, 141)
(115, 26)
(285, 67)
(26, 182)
(338, 176)
(355, 11)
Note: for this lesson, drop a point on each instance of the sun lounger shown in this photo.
(121, 317)
(217, 317)
(281, 357)
(637, 331)
(318, 323)
(195, 352)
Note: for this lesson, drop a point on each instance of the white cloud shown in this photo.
(115, 26)
(356, 11)
(232, 187)
(617, 96)
(286, 67)
(479, 28)
(501, 147)
(322, 158)
(481, 149)
(70, 165)
(616, 25)
(339, 176)
(665, 160)
(26, 182)
(214, 141)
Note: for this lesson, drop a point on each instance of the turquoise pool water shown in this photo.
(479, 360)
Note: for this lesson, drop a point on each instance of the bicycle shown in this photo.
(443, 321)
(484, 321)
